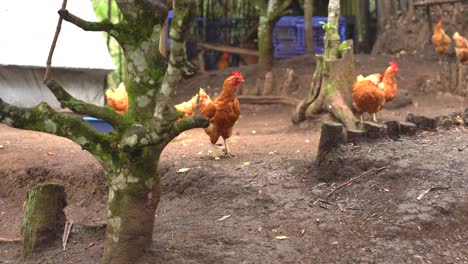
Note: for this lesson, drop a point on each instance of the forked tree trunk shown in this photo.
(331, 85)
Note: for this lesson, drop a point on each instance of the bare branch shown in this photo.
(105, 25)
(80, 107)
(52, 47)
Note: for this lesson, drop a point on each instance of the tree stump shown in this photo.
(375, 130)
(331, 89)
(422, 122)
(355, 136)
(331, 137)
(393, 129)
(43, 217)
(408, 128)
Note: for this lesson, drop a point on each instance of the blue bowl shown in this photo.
(99, 124)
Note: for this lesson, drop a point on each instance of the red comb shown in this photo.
(394, 65)
(440, 21)
(237, 74)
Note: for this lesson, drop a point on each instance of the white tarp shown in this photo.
(23, 86)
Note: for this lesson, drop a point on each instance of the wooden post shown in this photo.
(309, 35)
(331, 137)
(429, 21)
(43, 217)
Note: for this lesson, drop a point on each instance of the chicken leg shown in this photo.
(226, 149)
(362, 119)
(214, 151)
(374, 117)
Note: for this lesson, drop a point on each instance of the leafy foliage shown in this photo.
(327, 26)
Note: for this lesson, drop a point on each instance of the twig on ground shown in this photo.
(9, 240)
(462, 148)
(431, 189)
(354, 179)
(66, 233)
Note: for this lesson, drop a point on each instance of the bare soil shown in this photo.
(267, 204)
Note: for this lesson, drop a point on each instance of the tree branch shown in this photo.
(43, 118)
(184, 15)
(80, 107)
(105, 25)
(194, 121)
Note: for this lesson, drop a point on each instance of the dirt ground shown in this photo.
(267, 204)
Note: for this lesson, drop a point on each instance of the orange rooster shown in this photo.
(441, 41)
(461, 48)
(117, 99)
(372, 92)
(223, 62)
(222, 111)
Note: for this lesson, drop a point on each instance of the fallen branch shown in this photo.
(9, 240)
(248, 99)
(354, 179)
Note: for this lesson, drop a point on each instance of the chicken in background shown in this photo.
(441, 41)
(187, 107)
(390, 87)
(222, 111)
(223, 62)
(117, 99)
(375, 78)
(372, 92)
(461, 48)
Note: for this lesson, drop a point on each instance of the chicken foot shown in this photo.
(226, 149)
(374, 117)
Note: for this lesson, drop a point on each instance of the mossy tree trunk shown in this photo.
(129, 154)
(332, 82)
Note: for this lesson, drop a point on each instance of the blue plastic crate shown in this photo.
(289, 35)
(98, 124)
